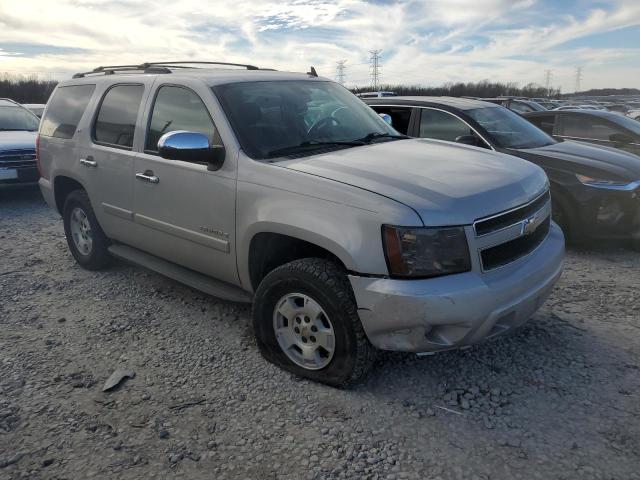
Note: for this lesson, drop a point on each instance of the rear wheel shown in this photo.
(86, 240)
(306, 321)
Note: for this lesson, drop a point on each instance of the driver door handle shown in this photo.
(89, 162)
(148, 177)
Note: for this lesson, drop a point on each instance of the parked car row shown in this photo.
(346, 233)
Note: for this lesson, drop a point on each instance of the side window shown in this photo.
(116, 120)
(442, 125)
(65, 110)
(400, 117)
(584, 126)
(543, 122)
(177, 108)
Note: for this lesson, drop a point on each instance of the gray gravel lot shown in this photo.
(559, 399)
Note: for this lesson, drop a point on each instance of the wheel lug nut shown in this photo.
(297, 330)
(314, 328)
(312, 338)
(298, 320)
(306, 320)
(304, 339)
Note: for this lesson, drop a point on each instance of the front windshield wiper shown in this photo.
(16, 130)
(376, 135)
(304, 146)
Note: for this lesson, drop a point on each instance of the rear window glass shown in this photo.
(116, 121)
(65, 110)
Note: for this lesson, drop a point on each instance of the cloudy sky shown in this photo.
(426, 42)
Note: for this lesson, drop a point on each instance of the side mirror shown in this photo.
(386, 117)
(191, 147)
(620, 138)
(468, 140)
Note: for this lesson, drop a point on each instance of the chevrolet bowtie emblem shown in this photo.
(530, 225)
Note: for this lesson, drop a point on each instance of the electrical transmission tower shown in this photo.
(578, 78)
(374, 66)
(548, 74)
(340, 68)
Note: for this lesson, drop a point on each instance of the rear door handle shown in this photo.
(148, 177)
(89, 162)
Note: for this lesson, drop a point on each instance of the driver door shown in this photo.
(183, 212)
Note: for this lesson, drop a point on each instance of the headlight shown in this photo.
(425, 252)
(599, 182)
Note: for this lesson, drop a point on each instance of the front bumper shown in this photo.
(457, 310)
(608, 213)
(13, 176)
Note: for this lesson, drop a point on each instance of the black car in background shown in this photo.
(593, 126)
(595, 189)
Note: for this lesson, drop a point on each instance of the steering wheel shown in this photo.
(322, 123)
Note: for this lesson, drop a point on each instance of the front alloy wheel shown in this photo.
(306, 321)
(304, 331)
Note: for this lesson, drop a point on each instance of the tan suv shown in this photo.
(286, 190)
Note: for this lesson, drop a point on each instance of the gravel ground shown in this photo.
(558, 399)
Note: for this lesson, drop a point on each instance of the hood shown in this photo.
(446, 183)
(588, 158)
(21, 140)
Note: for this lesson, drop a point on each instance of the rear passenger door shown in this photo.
(586, 128)
(187, 214)
(107, 155)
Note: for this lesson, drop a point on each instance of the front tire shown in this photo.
(86, 240)
(306, 322)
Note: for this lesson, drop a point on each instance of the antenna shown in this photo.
(340, 68)
(375, 69)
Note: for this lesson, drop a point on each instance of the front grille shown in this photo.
(500, 221)
(508, 236)
(23, 158)
(505, 253)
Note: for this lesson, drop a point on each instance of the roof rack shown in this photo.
(156, 67)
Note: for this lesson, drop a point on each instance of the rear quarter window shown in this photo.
(65, 110)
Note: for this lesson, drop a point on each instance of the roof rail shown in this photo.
(156, 67)
(180, 64)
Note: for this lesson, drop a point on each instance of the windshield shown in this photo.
(276, 118)
(17, 118)
(508, 129)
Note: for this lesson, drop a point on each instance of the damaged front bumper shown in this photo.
(457, 310)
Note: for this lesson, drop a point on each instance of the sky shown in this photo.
(427, 42)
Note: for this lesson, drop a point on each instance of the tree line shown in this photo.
(25, 89)
(483, 89)
(30, 89)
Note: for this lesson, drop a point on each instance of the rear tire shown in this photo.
(86, 240)
(300, 289)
